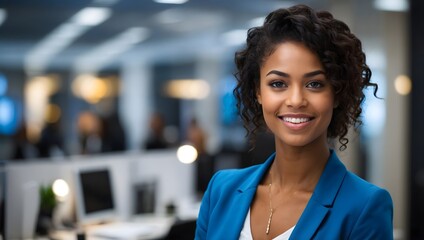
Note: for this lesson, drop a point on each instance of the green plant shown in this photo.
(47, 198)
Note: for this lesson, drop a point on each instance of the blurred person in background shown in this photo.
(113, 136)
(89, 133)
(50, 143)
(22, 147)
(156, 138)
(196, 136)
(302, 76)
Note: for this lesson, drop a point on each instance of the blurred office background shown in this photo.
(128, 82)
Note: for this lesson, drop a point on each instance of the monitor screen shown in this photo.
(95, 195)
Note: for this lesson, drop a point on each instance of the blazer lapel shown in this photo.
(321, 200)
(245, 193)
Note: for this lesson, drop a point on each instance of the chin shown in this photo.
(299, 141)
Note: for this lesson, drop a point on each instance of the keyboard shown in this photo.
(122, 230)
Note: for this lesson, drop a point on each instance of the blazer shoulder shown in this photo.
(359, 193)
(360, 186)
(229, 177)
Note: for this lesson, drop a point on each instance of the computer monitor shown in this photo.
(95, 202)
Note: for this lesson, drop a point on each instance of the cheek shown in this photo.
(327, 108)
(270, 104)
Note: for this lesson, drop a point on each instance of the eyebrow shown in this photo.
(307, 75)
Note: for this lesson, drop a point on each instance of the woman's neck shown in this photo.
(298, 168)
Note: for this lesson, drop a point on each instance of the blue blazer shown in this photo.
(342, 206)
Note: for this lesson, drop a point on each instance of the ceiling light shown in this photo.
(171, 1)
(91, 16)
(3, 15)
(391, 5)
(187, 89)
(107, 51)
(90, 88)
(39, 57)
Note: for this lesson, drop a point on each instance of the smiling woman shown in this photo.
(301, 77)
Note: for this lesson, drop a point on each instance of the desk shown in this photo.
(156, 226)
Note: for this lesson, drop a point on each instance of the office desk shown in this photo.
(138, 228)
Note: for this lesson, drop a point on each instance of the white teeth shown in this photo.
(295, 120)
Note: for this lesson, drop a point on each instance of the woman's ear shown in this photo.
(336, 104)
(258, 97)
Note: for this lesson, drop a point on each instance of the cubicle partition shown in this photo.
(174, 183)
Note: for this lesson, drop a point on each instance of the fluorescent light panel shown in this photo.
(171, 1)
(105, 52)
(63, 36)
(3, 15)
(91, 16)
(392, 5)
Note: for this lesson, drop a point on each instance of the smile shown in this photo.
(296, 120)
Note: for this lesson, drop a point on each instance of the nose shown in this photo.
(296, 98)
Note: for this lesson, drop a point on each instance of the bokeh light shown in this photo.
(403, 85)
(187, 154)
(60, 189)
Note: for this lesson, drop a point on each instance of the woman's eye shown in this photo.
(315, 84)
(277, 84)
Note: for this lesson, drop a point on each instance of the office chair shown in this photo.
(182, 230)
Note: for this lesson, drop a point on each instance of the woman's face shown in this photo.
(296, 98)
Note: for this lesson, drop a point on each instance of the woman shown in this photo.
(301, 76)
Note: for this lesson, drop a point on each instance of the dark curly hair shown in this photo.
(339, 51)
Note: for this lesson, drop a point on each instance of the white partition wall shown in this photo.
(175, 183)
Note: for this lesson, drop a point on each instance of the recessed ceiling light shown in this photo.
(391, 5)
(91, 16)
(171, 1)
(3, 15)
(108, 51)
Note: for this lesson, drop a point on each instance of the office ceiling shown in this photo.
(28, 22)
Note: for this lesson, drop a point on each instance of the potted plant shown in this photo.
(47, 204)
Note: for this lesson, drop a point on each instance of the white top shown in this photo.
(246, 233)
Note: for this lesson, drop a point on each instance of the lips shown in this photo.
(296, 122)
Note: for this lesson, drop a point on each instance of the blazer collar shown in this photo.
(318, 206)
(253, 180)
(244, 195)
(322, 199)
(326, 189)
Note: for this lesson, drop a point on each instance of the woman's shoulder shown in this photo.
(234, 174)
(360, 184)
(352, 187)
(231, 179)
(357, 188)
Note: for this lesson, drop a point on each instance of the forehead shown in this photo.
(292, 55)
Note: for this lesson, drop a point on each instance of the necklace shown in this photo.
(271, 210)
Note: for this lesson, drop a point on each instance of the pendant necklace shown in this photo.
(271, 210)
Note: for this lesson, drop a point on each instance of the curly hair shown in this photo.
(339, 51)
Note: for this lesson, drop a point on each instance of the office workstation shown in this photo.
(126, 192)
